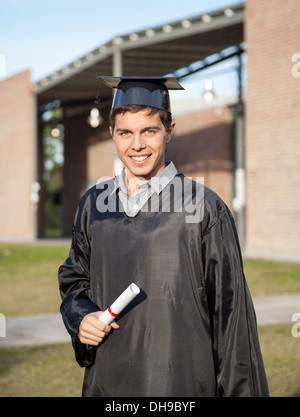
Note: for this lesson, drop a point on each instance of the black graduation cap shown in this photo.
(146, 91)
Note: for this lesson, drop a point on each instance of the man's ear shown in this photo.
(111, 131)
(170, 132)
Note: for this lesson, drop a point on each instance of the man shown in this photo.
(192, 329)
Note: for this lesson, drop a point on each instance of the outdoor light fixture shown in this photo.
(186, 23)
(149, 33)
(208, 94)
(206, 18)
(89, 56)
(228, 12)
(55, 132)
(118, 40)
(133, 36)
(167, 28)
(102, 49)
(95, 119)
(77, 63)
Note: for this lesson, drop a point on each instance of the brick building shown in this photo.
(208, 139)
(17, 158)
(272, 33)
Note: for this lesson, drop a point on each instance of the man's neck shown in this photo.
(134, 183)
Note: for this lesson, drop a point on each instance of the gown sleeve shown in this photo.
(74, 284)
(238, 361)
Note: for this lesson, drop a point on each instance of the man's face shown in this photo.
(141, 141)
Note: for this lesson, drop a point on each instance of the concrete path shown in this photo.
(272, 309)
(48, 328)
(38, 329)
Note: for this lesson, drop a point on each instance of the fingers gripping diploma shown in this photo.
(95, 326)
(92, 331)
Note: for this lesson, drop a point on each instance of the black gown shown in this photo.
(192, 331)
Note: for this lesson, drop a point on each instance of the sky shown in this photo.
(43, 36)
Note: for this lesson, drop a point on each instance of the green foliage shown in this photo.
(53, 150)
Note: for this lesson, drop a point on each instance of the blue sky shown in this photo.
(43, 36)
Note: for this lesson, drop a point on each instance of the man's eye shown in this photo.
(124, 134)
(150, 132)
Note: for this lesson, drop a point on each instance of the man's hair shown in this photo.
(165, 117)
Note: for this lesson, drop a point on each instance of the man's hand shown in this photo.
(92, 331)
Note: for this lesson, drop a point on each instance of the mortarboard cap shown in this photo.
(145, 91)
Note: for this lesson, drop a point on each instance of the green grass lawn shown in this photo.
(280, 352)
(270, 277)
(51, 371)
(29, 282)
(39, 371)
(28, 276)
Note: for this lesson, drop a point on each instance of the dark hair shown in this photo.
(165, 117)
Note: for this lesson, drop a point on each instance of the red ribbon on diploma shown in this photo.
(110, 312)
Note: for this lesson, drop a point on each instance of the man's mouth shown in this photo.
(140, 158)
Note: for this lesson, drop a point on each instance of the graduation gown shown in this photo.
(192, 329)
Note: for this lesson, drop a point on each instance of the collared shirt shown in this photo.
(132, 204)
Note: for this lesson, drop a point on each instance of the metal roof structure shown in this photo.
(155, 51)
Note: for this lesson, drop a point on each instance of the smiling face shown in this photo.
(141, 140)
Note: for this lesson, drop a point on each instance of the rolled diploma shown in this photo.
(119, 304)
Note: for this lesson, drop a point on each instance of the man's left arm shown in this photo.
(238, 361)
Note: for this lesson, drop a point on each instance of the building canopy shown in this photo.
(172, 48)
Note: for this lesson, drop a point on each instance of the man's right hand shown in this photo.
(92, 331)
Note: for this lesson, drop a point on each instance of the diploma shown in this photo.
(119, 304)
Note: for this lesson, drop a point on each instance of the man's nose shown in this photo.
(138, 142)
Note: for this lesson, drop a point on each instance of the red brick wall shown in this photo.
(272, 32)
(201, 147)
(16, 157)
